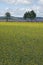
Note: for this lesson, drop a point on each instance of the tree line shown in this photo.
(27, 15)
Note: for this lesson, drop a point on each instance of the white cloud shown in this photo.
(24, 1)
(9, 1)
(38, 8)
(14, 12)
(40, 11)
(40, 2)
(18, 1)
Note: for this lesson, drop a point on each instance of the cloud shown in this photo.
(17, 1)
(40, 10)
(9, 1)
(36, 5)
(24, 1)
(19, 12)
(41, 2)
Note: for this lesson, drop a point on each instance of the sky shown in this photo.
(17, 8)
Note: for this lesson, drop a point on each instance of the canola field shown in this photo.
(21, 43)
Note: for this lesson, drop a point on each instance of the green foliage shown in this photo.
(8, 15)
(27, 15)
(31, 15)
(21, 43)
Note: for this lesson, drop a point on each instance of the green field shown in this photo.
(21, 43)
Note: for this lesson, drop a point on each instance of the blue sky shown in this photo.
(19, 7)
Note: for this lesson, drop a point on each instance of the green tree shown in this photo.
(8, 15)
(25, 15)
(31, 15)
(28, 14)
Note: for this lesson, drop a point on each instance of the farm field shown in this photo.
(21, 43)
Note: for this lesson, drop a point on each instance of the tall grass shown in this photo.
(21, 43)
